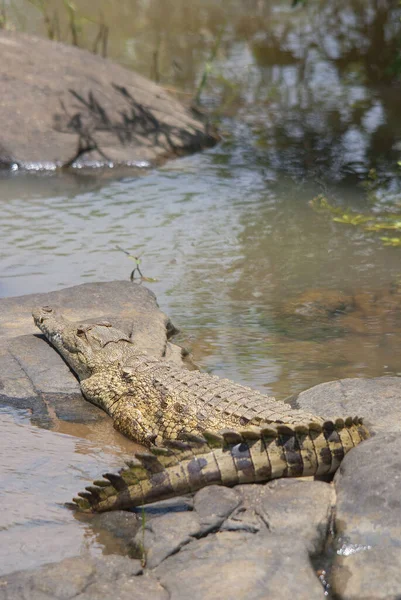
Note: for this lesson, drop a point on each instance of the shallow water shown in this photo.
(40, 471)
(228, 248)
(228, 234)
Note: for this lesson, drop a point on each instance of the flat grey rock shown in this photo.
(240, 566)
(301, 507)
(368, 521)
(377, 400)
(50, 108)
(165, 536)
(81, 577)
(129, 527)
(121, 299)
(213, 505)
(138, 588)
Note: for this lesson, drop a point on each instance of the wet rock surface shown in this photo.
(368, 520)
(240, 565)
(82, 578)
(78, 108)
(251, 541)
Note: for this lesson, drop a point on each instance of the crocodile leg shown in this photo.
(132, 423)
(101, 389)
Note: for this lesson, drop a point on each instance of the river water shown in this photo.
(306, 106)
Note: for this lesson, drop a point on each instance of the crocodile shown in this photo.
(198, 429)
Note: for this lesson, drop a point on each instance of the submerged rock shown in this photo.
(319, 303)
(364, 312)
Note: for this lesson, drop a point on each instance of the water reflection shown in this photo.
(314, 83)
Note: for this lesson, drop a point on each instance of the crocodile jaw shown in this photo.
(64, 336)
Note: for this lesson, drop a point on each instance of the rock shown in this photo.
(165, 536)
(363, 313)
(377, 400)
(82, 578)
(121, 524)
(77, 100)
(319, 303)
(368, 574)
(114, 299)
(240, 565)
(34, 376)
(246, 517)
(368, 524)
(213, 505)
(126, 526)
(138, 588)
(44, 370)
(379, 303)
(301, 507)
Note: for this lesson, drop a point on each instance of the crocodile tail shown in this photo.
(228, 457)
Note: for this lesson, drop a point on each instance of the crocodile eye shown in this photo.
(80, 332)
(104, 324)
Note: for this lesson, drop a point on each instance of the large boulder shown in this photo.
(367, 557)
(377, 400)
(367, 563)
(62, 105)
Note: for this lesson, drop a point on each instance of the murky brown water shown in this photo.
(308, 107)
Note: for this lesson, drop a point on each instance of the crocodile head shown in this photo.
(86, 348)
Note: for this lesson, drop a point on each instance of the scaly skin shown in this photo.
(250, 455)
(151, 401)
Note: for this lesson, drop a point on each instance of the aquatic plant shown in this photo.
(137, 259)
(208, 66)
(76, 23)
(369, 222)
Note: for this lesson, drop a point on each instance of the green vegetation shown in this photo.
(208, 66)
(137, 260)
(372, 222)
